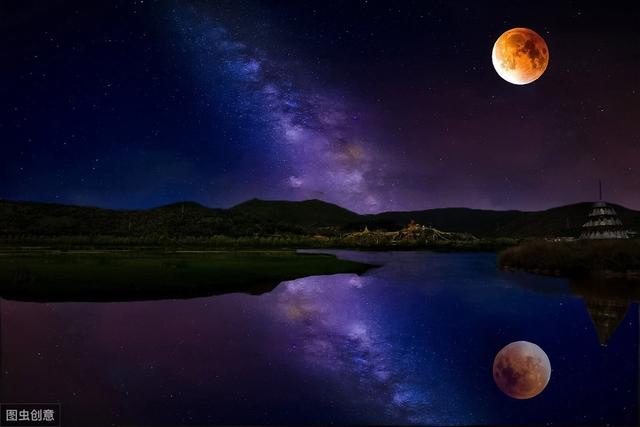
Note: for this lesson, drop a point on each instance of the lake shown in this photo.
(410, 342)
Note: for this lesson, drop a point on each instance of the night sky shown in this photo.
(371, 105)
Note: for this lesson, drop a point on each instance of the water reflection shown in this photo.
(607, 301)
(343, 335)
(411, 342)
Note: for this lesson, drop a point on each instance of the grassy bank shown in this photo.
(575, 259)
(125, 276)
(279, 242)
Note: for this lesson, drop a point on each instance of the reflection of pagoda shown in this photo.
(603, 223)
(606, 315)
(607, 302)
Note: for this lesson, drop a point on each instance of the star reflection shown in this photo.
(343, 334)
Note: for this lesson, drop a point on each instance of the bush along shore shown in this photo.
(579, 258)
(287, 242)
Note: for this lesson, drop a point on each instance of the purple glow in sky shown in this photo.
(318, 143)
(368, 105)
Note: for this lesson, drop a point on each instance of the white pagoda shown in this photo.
(603, 222)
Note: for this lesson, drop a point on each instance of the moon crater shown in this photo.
(521, 370)
(520, 56)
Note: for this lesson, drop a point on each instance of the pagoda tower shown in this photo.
(603, 222)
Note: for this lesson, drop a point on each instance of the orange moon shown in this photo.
(521, 370)
(520, 56)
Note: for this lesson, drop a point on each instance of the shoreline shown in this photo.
(123, 276)
(607, 259)
(604, 274)
(479, 245)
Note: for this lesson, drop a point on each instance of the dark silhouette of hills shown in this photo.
(260, 217)
(561, 221)
(463, 220)
(315, 213)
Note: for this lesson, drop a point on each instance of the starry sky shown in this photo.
(373, 105)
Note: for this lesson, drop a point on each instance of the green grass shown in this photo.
(126, 276)
(576, 258)
(284, 242)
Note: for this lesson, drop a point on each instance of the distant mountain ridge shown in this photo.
(307, 212)
(269, 217)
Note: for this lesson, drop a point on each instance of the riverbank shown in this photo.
(48, 276)
(580, 258)
(253, 243)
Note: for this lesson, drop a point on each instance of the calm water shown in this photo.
(411, 342)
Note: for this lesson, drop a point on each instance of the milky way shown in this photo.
(318, 144)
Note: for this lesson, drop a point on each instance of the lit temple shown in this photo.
(603, 223)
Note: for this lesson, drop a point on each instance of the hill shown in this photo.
(268, 218)
(481, 223)
(560, 221)
(307, 213)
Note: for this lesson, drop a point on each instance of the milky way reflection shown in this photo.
(411, 342)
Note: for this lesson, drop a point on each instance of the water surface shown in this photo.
(411, 342)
